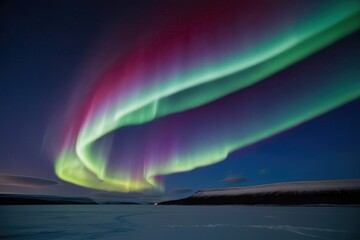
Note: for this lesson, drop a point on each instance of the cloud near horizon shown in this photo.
(233, 179)
(180, 190)
(26, 181)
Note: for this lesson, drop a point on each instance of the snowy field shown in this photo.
(178, 222)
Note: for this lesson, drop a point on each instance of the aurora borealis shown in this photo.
(151, 100)
(202, 86)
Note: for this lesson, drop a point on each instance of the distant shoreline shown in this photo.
(332, 193)
(311, 193)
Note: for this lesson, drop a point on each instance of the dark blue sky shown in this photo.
(42, 45)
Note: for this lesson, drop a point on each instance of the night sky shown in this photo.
(159, 99)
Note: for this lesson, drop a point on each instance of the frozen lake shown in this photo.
(178, 222)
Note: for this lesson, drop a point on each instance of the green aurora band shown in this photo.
(80, 164)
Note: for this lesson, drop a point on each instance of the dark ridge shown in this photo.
(23, 199)
(118, 203)
(297, 193)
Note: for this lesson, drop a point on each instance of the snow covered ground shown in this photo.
(107, 222)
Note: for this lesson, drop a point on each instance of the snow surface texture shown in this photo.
(137, 222)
